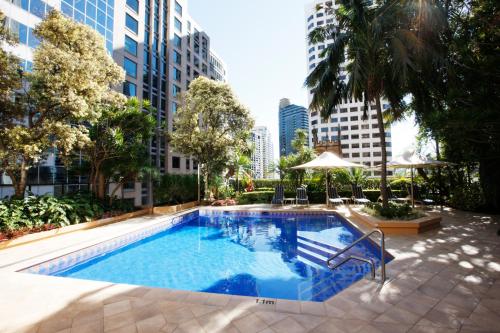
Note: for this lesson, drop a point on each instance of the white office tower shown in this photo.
(262, 156)
(359, 138)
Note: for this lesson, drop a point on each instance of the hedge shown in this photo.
(315, 197)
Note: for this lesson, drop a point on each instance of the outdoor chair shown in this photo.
(392, 197)
(333, 196)
(279, 195)
(358, 196)
(417, 196)
(301, 198)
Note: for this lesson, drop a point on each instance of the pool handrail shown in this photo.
(347, 248)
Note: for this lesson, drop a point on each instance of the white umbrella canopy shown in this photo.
(327, 161)
(410, 160)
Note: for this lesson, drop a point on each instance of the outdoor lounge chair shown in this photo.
(392, 197)
(279, 195)
(301, 198)
(333, 196)
(358, 196)
(417, 196)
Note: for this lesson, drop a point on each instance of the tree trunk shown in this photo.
(101, 186)
(381, 131)
(206, 195)
(489, 175)
(19, 181)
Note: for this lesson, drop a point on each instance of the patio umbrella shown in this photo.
(327, 161)
(410, 160)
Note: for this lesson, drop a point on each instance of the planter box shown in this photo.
(71, 228)
(398, 227)
(174, 209)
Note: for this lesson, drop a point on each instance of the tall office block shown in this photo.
(359, 138)
(263, 155)
(291, 118)
(161, 48)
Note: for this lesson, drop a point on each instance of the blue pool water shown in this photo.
(264, 256)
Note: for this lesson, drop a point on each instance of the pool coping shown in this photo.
(167, 222)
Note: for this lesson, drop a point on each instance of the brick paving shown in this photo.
(446, 280)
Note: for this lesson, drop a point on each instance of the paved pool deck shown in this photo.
(445, 280)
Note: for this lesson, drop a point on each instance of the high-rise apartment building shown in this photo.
(263, 155)
(291, 118)
(359, 138)
(159, 45)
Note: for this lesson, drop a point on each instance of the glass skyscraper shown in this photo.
(291, 118)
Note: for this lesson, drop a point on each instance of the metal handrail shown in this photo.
(347, 248)
(353, 257)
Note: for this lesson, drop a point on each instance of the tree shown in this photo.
(72, 74)
(456, 100)
(373, 41)
(209, 125)
(118, 150)
(241, 165)
(303, 155)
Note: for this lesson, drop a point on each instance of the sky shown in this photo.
(263, 43)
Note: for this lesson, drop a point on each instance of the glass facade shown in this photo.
(291, 118)
(98, 14)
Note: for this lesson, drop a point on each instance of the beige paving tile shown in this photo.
(117, 307)
(250, 324)
(313, 308)
(55, 324)
(418, 303)
(339, 326)
(215, 321)
(431, 329)
(398, 316)
(375, 327)
(271, 317)
(309, 321)
(288, 306)
(118, 320)
(191, 326)
(150, 325)
(92, 327)
(288, 325)
(125, 329)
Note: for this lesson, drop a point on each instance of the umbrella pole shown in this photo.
(326, 190)
(412, 198)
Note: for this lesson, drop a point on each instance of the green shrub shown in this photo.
(468, 198)
(176, 189)
(255, 197)
(38, 212)
(393, 211)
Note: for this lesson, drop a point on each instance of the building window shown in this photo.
(130, 67)
(343, 110)
(354, 127)
(365, 136)
(367, 154)
(129, 89)
(177, 42)
(174, 107)
(355, 154)
(176, 162)
(188, 164)
(314, 122)
(131, 23)
(343, 119)
(355, 136)
(175, 90)
(178, 24)
(178, 8)
(177, 74)
(177, 58)
(134, 5)
(366, 145)
(130, 45)
(309, 19)
(354, 118)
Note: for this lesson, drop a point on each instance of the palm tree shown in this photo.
(367, 41)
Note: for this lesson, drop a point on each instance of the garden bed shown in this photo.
(39, 234)
(397, 227)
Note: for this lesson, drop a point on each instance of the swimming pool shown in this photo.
(262, 254)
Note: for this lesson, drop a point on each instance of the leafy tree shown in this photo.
(281, 167)
(303, 155)
(118, 150)
(9, 67)
(456, 100)
(369, 42)
(241, 166)
(210, 125)
(72, 74)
